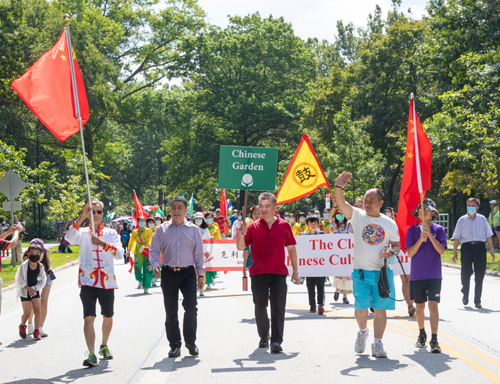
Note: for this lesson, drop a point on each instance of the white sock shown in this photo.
(378, 340)
(365, 331)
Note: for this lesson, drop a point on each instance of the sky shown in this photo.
(309, 18)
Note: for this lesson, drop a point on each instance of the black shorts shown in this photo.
(421, 290)
(29, 298)
(89, 297)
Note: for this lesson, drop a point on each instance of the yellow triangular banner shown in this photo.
(304, 174)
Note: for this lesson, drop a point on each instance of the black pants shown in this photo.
(314, 283)
(125, 246)
(171, 283)
(473, 254)
(261, 284)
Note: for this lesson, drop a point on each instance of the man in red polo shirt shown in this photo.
(269, 236)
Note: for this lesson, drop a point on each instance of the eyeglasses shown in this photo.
(97, 212)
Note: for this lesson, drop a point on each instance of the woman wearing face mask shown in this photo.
(141, 237)
(151, 223)
(292, 219)
(389, 212)
(214, 230)
(202, 225)
(30, 279)
(325, 222)
(300, 227)
(340, 225)
(235, 229)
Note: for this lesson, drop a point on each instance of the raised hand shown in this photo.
(343, 179)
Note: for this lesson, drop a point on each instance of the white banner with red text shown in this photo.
(318, 255)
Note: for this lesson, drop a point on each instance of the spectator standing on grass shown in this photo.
(473, 231)
(494, 222)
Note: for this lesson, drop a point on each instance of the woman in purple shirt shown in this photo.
(426, 243)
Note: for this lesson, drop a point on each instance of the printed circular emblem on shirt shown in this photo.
(305, 174)
(373, 234)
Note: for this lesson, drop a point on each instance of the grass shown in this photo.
(448, 254)
(58, 259)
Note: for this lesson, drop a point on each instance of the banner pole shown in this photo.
(417, 159)
(79, 116)
(245, 206)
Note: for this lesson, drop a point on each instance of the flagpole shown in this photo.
(78, 114)
(417, 158)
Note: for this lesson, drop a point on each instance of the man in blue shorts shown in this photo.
(373, 233)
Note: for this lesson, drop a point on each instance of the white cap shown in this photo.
(493, 202)
(198, 215)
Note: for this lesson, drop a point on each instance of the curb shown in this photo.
(55, 270)
(488, 271)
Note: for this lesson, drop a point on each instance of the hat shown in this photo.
(428, 205)
(493, 202)
(40, 243)
(198, 215)
(218, 210)
(235, 210)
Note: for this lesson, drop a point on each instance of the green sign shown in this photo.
(248, 168)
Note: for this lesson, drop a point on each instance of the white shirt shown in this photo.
(472, 230)
(370, 236)
(22, 279)
(96, 263)
(235, 229)
(205, 234)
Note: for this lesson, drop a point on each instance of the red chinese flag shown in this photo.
(139, 209)
(409, 196)
(47, 90)
(223, 210)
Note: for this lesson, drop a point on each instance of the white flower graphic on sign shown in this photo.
(247, 180)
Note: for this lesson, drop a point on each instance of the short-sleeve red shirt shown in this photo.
(268, 246)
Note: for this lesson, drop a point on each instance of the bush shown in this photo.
(48, 230)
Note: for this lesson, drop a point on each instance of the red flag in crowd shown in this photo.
(47, 90)
(223, 210)
(416, 174)
(139, 210)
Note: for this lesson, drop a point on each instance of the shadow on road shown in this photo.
(377, 365)
(69, 376)
(481, 310)
(434, 363)
(170, 364)
(260, 356)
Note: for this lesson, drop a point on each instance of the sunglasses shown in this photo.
(97, 212)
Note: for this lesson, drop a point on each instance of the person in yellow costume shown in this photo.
(214, 230)
(300, 226)
(141, 237)
(325, 223)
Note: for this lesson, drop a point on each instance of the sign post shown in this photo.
(11, 186)
(248, 168)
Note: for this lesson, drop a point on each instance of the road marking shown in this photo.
(394, 328)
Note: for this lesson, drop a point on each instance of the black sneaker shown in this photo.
(336, 296)
(91, 360)
(345, 300)
(421, 341)
(105, 352)
(276, 348)
(435, 348)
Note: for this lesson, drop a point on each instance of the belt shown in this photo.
(474, 242)
(178, 269)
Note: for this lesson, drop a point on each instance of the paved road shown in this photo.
(317, 349)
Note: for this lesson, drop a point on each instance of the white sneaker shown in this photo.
(140, 285)
(42, 332)
(209, 286)
(378, 350)
(153, 283)
(31, 328)
(202, 293)
(360, 345)
(146, 291)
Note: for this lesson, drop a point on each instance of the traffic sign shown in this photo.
(18, 185)
(6, 206)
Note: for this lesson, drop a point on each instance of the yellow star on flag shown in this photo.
(410, 155)
(63, 57)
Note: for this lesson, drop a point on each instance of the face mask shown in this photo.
(388, 214)
(292, 220)
(34, 258)
(235, 214)
(240, 217)
(326, 216)
(209, 221)
(142, 224)
(471, 210)
(198, 222)
(339, 217)
(287, 218)
(158, 222)
(151, 225)
(302, 219)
